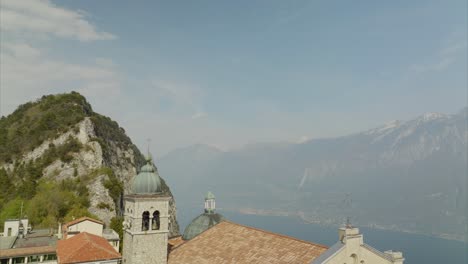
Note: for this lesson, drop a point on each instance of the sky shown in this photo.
(231, 73)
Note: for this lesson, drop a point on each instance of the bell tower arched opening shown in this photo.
(156, 223)
(145, 221)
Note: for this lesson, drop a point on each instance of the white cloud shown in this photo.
(30, 69)
(199, 115)
(184, 97)
(27, 73)
(44, 17)
(303, 139)
(20, 50)
(445, 57)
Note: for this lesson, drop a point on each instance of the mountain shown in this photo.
(404, 175)
(60, 160)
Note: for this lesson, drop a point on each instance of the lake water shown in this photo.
(417, 249)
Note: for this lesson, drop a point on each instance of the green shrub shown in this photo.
(103, 205)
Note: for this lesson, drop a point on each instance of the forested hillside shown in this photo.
(60, 160)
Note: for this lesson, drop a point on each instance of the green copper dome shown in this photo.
(147, 181)
(200, 224)
(204, 221)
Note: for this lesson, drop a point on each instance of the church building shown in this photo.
(210, 238)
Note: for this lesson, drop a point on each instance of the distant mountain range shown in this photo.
(404, 175)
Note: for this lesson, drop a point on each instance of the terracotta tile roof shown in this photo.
(27, 251)
(81, 219)
(175, 242)
(229, 242)
(85, 247)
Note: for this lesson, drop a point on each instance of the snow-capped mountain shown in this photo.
(407, 175)
(409, 141)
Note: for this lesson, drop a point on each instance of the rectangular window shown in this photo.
(50, 257)
(18, 260)
(33, 259)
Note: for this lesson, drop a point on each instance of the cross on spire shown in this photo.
(149, 157)
(348, 204)
(148, 145)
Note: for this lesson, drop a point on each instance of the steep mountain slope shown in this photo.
(404, 175)
(62, 160)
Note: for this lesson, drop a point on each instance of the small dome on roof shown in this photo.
(209, 196)
(147, 181)
(200, 224)
(204, 221)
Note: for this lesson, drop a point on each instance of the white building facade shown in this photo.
(351, 249)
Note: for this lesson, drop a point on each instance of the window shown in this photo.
(155, 224)
(50, 257)
(355, 258)
(145, 221)
(18, 260)
(9, 231)
(33, 259)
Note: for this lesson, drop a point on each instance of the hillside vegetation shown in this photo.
(24, 191)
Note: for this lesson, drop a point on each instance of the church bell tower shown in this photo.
(146, 219)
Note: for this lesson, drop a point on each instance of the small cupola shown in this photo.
(210, 204)
(204, 221)
(147, 181)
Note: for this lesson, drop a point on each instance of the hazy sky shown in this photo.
(228, 73)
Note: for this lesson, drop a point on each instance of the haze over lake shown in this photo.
(417, 249)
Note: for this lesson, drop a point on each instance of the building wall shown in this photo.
(148, 246)
(14, 226)
(357, 255)
(115, 244)
(356, 252)
(145, 249)
(85, 226)
(11, 228)
(38, 258)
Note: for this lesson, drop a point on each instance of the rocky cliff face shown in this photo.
(105, 154)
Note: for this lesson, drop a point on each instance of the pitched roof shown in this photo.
(85, 247)
(15, 252)
(229, 242)
(174, 242)
(81, 219)
(332, 251)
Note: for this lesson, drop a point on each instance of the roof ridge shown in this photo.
(111, 252)
(88, 240)
(81, 219)
(249, 227)
(378, 252)
(74, 253)
(194, 238)
(96, 245)
(276, 234)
